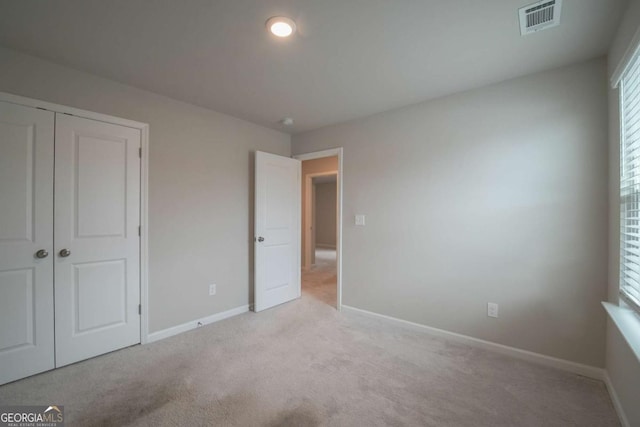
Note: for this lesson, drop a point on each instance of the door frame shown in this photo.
(144, 186)
(318, 155)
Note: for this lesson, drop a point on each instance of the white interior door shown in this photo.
(277, 229)
(97, 215)
(26, 227)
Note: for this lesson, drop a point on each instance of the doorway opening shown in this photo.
(321, 226)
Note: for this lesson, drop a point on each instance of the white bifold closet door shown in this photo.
(97, 214)
(69, 239)
(26, 229)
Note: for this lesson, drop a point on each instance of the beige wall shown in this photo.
(200, 176)
(324, 164)
(325, 213)
(497, 194)
(622, 366)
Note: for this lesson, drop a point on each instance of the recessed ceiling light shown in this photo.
(281, 26)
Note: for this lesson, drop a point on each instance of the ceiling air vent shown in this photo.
(540, 15)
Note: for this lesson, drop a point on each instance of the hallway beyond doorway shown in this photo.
(320, 280)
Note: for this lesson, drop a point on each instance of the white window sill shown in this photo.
(628, 322)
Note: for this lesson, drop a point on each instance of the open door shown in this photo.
(277, 230)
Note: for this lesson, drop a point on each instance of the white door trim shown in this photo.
(144, 187)
(330, 153)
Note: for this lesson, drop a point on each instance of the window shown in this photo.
(630, 183)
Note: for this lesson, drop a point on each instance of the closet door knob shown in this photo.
(42, 254)
(65, 253)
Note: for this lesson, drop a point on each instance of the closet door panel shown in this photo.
(97, 214)
(26, 227)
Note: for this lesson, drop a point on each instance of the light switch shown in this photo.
(360, 219)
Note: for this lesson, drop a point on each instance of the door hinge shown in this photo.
(140, 152)
(139, 231)
(140, 309)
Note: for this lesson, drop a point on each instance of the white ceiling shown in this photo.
(350, 58)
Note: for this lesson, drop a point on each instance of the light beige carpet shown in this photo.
(320, 280)
(305, 364)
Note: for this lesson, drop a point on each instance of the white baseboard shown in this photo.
(624, 421)
(566, 365)
(325, 246)
(175, 330)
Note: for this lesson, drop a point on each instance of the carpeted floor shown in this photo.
(305, 364)
(319, 281)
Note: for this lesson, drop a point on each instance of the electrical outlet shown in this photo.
(212, 289)
(359, 220)
(492, 309)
